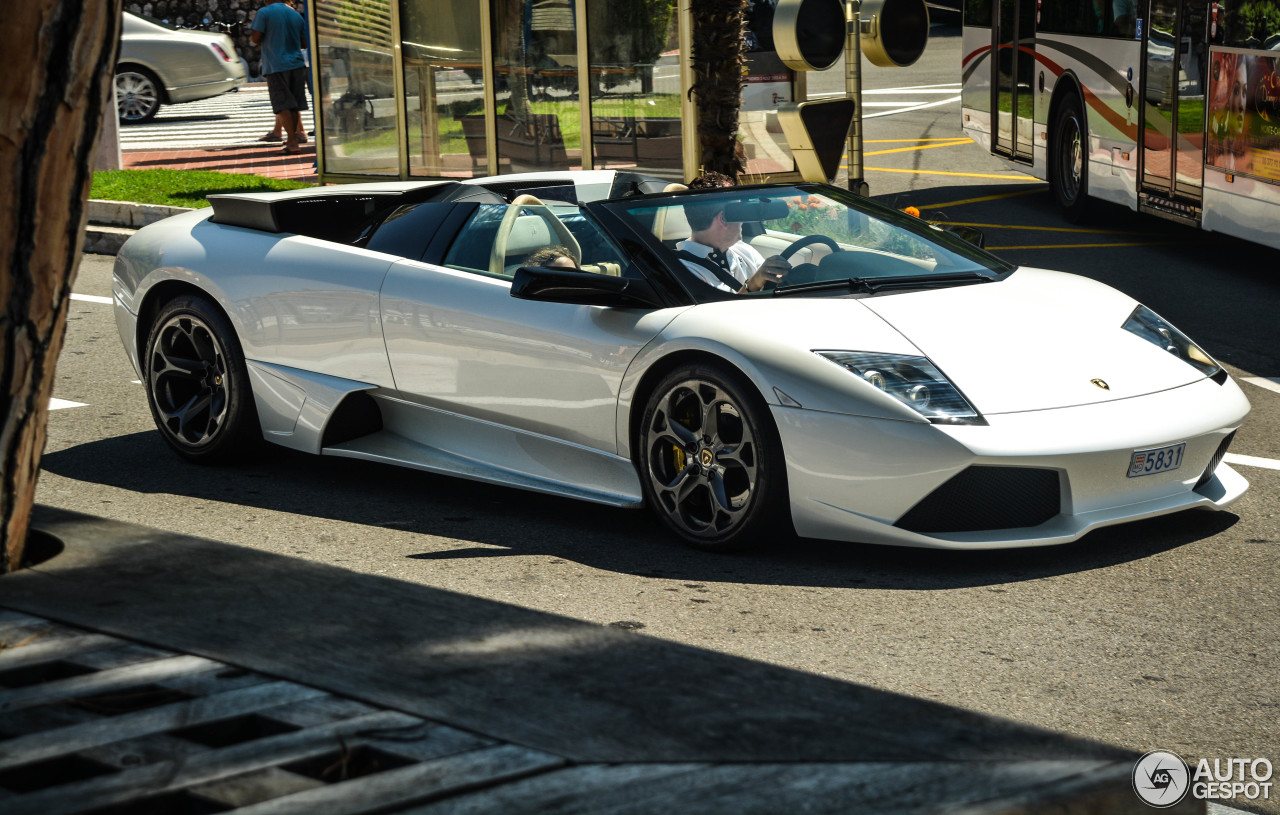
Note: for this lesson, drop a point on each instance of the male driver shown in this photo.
(716, 253)
(282, 34)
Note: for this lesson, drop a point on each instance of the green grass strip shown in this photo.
(180, 188)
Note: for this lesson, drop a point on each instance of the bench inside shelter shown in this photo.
(648, 142)
(528, 143)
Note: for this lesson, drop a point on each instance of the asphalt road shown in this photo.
(1157, 635)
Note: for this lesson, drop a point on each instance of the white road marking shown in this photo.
(1213, 808)
(933, 90)
(898, 106)
(61, 404)
(950, 87)
(1252, 461)
(911, 108)
(1270, 383)
(91, 298)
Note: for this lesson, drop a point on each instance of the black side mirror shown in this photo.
(560, 285)
(971, 234)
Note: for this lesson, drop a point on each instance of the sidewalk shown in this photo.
(369, 694)
(265, 160)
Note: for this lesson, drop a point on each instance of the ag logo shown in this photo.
(1160, 778)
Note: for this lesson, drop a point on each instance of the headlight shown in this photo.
(913, 381)
(1151, 327)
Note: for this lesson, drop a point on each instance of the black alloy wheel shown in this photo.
(711, 463)
(1070, 173)
(197, 383)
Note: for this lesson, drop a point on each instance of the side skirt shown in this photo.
(297, 409)
(436, 441)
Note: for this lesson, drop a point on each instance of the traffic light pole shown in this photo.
(853, 88)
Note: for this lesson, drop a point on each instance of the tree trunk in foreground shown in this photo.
(62, 54)
(718, 61)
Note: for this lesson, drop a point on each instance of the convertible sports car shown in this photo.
(899, 385)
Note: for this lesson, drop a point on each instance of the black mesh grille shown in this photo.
(1216, 460)
(981, 498)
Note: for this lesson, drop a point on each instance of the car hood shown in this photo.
(1033, 341)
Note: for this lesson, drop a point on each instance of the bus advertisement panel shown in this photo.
(1244, 113)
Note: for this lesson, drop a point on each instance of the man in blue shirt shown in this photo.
(282, 34)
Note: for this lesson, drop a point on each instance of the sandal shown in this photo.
(271, 137)
(295, 151)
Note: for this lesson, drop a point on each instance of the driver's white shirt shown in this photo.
(744, 261)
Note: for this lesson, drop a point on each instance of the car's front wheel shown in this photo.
(197, 383)
(137, 95)
(711, 463)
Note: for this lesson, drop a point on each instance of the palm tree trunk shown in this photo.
(50, 115)
(718, 61)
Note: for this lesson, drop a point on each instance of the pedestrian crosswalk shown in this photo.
(228, 120)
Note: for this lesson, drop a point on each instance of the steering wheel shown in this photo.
(809, 240)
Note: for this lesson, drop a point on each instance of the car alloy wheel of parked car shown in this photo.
(137, 96)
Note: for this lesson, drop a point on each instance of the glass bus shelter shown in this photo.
(463, 88)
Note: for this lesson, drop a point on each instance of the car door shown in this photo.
(458, 341)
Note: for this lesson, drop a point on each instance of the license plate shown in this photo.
(1156, 460)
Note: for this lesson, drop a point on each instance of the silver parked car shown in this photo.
(162, 65)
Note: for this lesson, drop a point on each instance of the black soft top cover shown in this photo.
(336, 214)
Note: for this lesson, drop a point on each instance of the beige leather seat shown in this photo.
(527, 226)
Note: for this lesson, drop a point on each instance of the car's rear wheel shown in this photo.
(137, 95)
(711, 462)
(197, 383)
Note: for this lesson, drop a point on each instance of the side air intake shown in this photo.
(1216, 460)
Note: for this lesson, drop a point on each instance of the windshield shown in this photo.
(822, 233)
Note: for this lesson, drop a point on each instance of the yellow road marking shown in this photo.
(1047, 229)
(983, 198)
(942, 172)
(956, 139)
(1082, 245)
(915, 148)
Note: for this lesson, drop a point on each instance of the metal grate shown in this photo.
(95, 724)
(981, 497)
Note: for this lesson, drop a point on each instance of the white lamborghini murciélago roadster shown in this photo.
(899, 385)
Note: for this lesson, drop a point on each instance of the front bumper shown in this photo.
(852, 478)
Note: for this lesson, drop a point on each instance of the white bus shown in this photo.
(1170, 107)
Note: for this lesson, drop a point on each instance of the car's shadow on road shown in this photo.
(490, 521)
